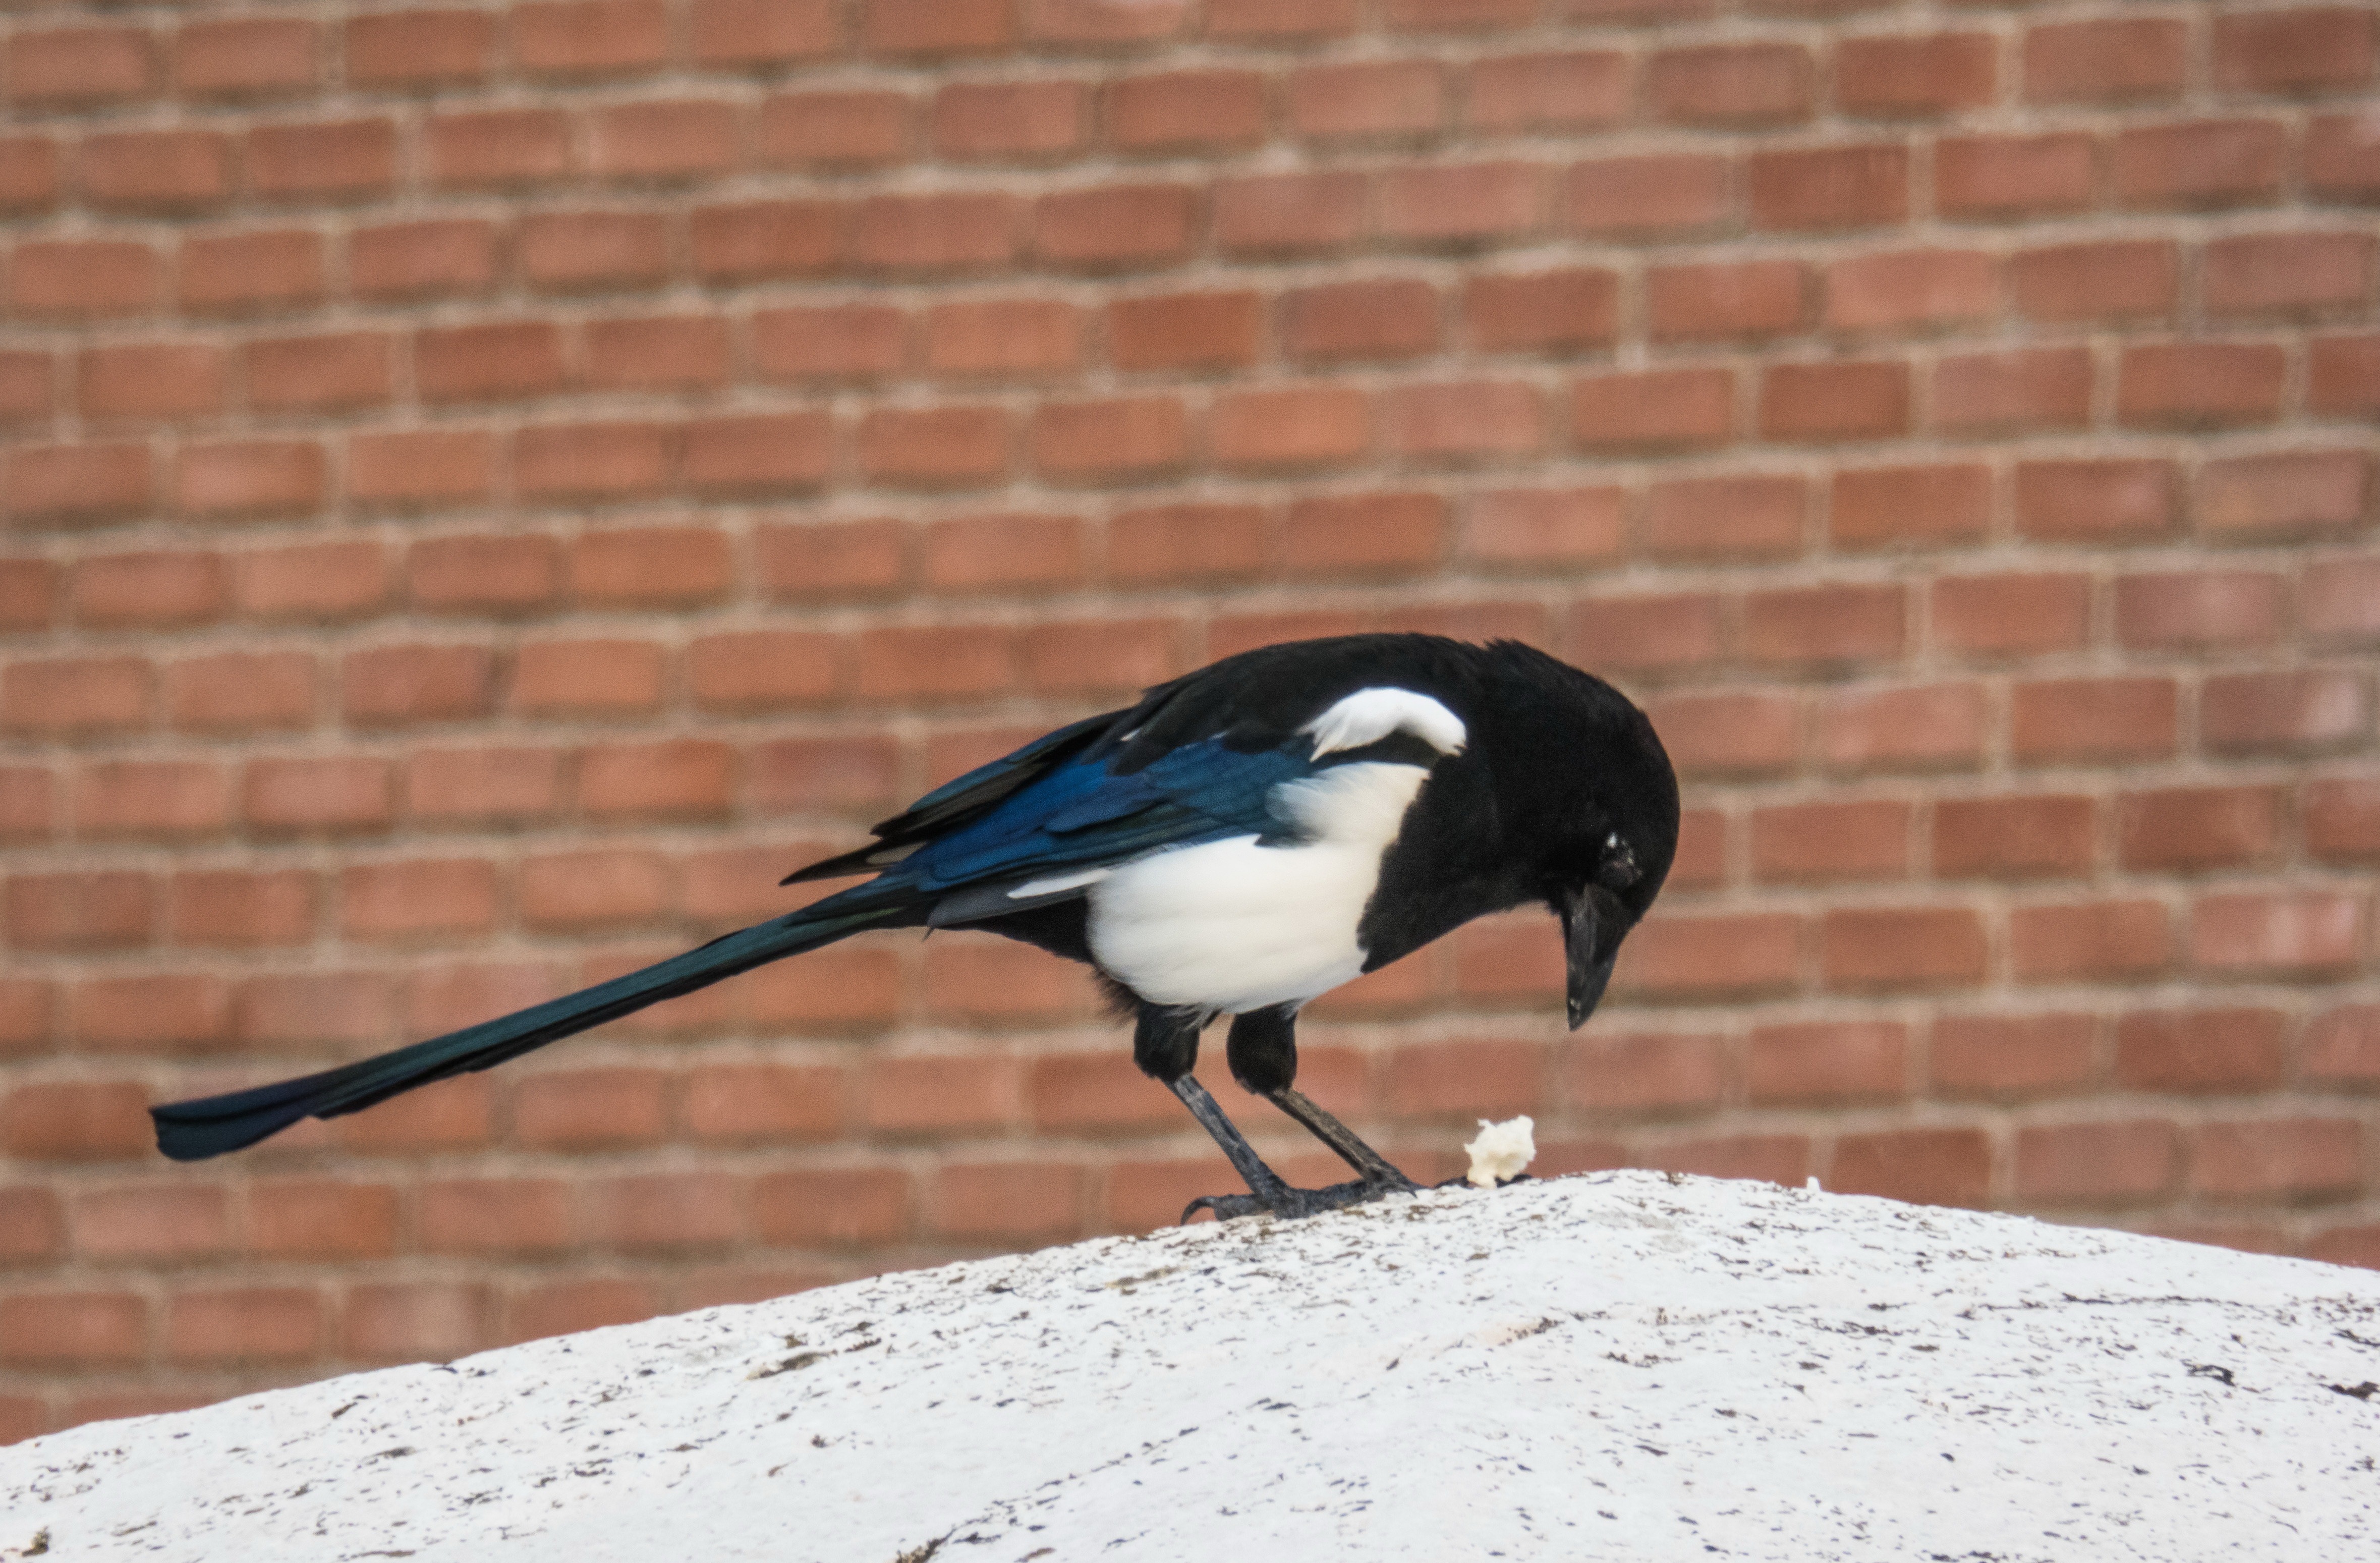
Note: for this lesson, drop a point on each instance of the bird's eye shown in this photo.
(1617, 871)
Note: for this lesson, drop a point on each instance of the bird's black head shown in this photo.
(1590, 805)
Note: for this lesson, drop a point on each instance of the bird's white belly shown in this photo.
(1232, 926)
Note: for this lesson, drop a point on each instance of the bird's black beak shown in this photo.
(1593, 925)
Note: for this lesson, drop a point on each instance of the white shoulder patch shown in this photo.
(1369, 715)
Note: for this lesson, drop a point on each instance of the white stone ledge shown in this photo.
(1616, 1366)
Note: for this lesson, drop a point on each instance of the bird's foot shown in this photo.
(1278, 1199)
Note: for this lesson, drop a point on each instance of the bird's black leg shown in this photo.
(1264, 1059)
(1263, 1052)
(1267, 1190)
(1165, 1046)
(1165, 1040)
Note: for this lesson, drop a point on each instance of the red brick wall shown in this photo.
(488, 489)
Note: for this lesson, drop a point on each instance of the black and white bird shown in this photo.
(1243, 840)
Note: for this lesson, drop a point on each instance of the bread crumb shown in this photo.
(1502, 1151)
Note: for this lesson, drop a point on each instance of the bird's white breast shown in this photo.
(1231, 926)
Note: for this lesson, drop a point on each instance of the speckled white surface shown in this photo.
(1607, 1367)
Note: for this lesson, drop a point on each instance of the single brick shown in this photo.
(82, 279)
(1741, 84)
(934, 448)
(1194, 331)
(1116, 226)
(2293, 1161)
(1658, 193)
(1915, 75)
(236, 691)
(402, 49)
(2199, 1050)
(1829, 187)
(2125, 279)
(2011, 175)
(592, 251)
(1746, 517)
(156, 589)
(1463, 421)
(1718, 300)
(1003, 338)
(2311, 49)
(1652, 409)
(2116, 60)
(153, 171)
(1461, 203)
(1365, 100)
(761, 34)
(650, 566)
(1911, 728)
(2105, 501)
(1309, 425)
(2192, 829)
(449, 257)
(1653, 631)
(2020, 389)
(332, 795)
(1923, 1165)
(2012, 1056)
(245, 56)
(1578, 91)
(670, 141)
(2011, 615)
(2185, 609)
(759, 453)
(150, 799)
(572, 38)
(504, 574)
(1902, 947)
(62, 67)
(498, 149)
(1820, 842)
(2304, 710)
(2080, 720)
(826, 561)
(1115, 439)
(1840, 1062)
(937, 26)
(338, 160)
(2339, 600)
(2199, 164)
(830, 130)
(2019, 837)
(1009, 121)
(1729, 734)
(1839, 400)
(1541, 311)
(1375, 320)
(1186, 544)
(833, 342)
(2200, 385)
(2287, 272)
(1288, 214)
(1825, 624)
(592, 462)
(2100, 941)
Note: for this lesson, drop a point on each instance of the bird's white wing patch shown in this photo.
(1369, 715)
(1062, 881)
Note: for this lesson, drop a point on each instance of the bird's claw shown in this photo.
(1291, 1204)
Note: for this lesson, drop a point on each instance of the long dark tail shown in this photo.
(212, 1125)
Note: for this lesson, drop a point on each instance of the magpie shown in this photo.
(1243, 840)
